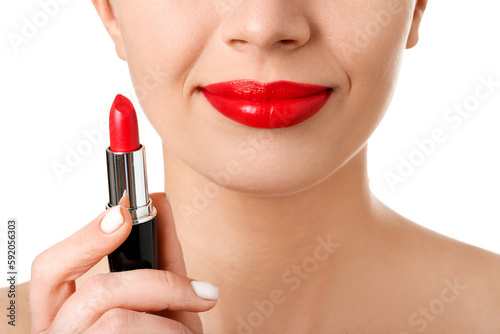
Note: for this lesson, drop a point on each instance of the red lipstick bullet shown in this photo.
(123, 127)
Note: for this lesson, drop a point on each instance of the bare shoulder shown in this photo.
(480, 270)
(465, 281)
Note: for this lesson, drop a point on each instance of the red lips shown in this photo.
(272, 105)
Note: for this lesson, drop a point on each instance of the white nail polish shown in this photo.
(205, 290)
(112, 220)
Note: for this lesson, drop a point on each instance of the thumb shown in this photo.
(170, 255)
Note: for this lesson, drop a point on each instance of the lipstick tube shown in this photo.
(127, 176)
(127, 173)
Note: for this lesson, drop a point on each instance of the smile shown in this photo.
(278, 104)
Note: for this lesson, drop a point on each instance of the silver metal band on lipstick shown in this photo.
(127, 172)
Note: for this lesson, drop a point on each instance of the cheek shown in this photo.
(366, 35)
(162, 40)
(369, 46)
(368, 42)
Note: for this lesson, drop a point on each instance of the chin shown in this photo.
(278, 187)
(272, 179)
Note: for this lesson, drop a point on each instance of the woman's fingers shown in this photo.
(116, 299)
(145, 290)
(171, 257)
(132, 322)
(53, 272)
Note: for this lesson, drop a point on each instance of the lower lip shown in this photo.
(268, 114)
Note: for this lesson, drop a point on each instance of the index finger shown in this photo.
(54, 271)
(170, 255)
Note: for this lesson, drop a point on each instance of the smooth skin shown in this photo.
(282, 221)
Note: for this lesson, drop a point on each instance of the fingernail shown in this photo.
(124, 201)
(205, 290)
(112, 220)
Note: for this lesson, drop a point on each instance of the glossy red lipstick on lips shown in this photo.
(272, 105)
(127, 175)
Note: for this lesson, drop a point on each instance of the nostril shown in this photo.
(239, 42)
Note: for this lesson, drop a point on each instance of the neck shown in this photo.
(250, 245)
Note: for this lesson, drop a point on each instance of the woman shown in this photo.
(280, 217)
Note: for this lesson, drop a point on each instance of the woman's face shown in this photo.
(175, 47)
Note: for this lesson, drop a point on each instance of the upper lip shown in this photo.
(257, 91)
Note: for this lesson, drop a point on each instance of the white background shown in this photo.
(455, 191)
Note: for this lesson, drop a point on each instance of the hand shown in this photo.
(136, 301)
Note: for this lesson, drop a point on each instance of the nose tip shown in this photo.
(265, 25)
